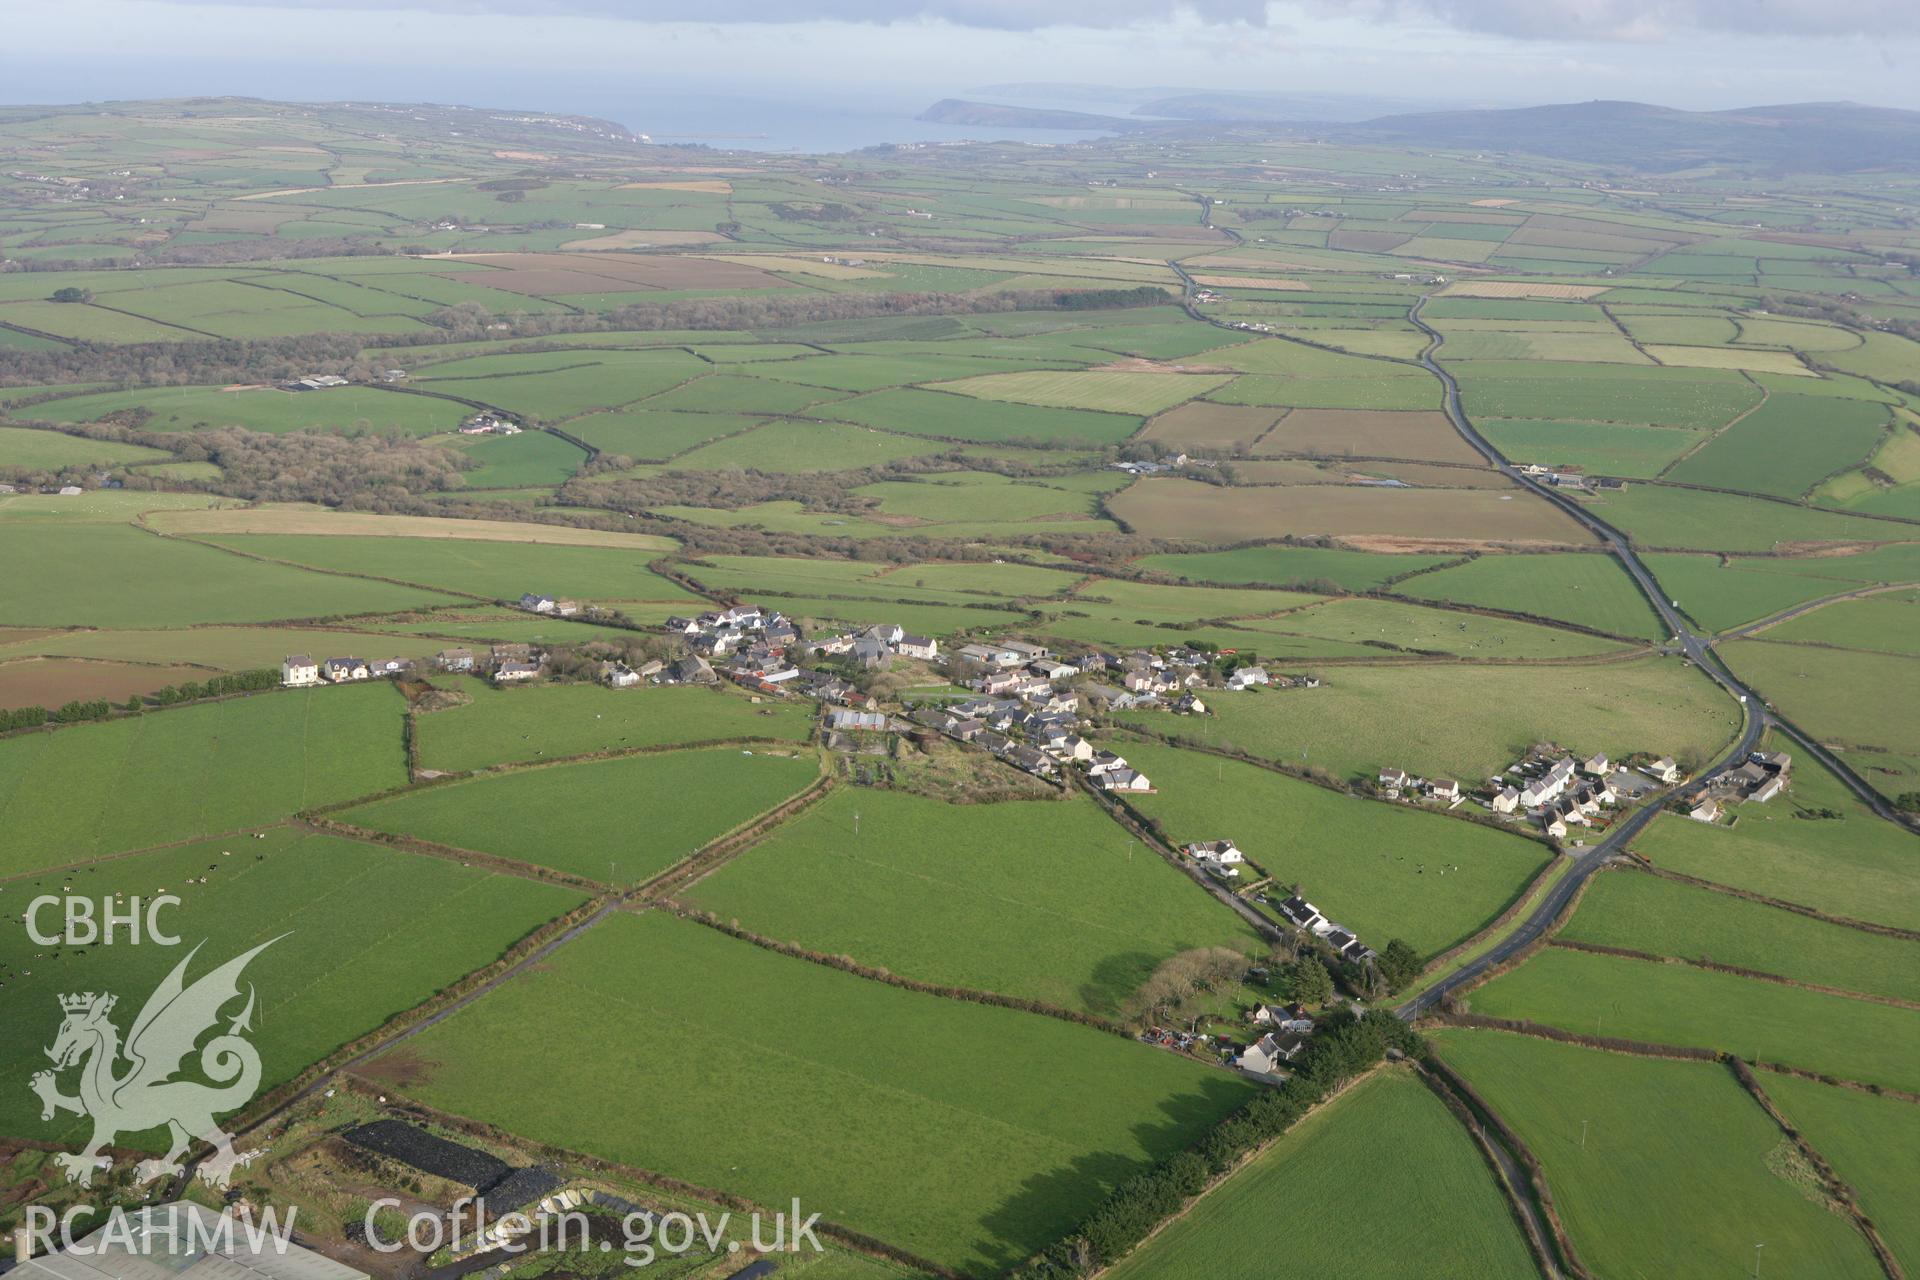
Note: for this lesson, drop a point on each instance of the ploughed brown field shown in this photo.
(54, 682)
(1167, 507)
(1420, 434)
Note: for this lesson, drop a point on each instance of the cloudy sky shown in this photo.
(593, 55)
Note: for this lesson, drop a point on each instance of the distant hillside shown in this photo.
(1808, 137)
(961, 111)
(1813, 137)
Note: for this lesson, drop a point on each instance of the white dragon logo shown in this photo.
(145, 1096)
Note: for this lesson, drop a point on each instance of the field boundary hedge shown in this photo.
(1610, 1044)
(1832, 1183)
(1734, 891)
(874, 973)
(1756, 975)
(1498, 923)
(548, 1152)
(452, 853)
(1839, 1082)
(722, 848)
(1539, 1243)
(1522, 1153)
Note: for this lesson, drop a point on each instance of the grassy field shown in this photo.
(265, 409)
(1647, 913)
(537, 458)
(1433, 1210)
(107, 575)
(1291, 566)
(1465, 721)
(1676, 1004)
(1660, 517)
(494, 570)
(1048, 900)
(52, 450)
(1590, 590)
(914, 411)
(1853, 865)
(1652, 1160)
(1390, 626)
(1604, 448)
(865, 1081)
(1170, 507)
(1872, 1143)
(1888, 623)
(1723, 593)
(81, 792)
(1103, 391)
(619, 820)
(501, 726)
(368, 933)
(1382, 870)
(1787, 445)
(1603, 393)
(219, 648)
(1869, 701)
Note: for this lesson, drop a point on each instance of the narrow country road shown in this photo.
(1757, 715)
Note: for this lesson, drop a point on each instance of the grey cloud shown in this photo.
(1001, 15)
(1647, 19)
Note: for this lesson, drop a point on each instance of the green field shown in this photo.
(1590, 590)
(618, 821)
(1678, 1004)
(1145, 393)
(1872, 1143)
(364, 933)
(1432, 1209)
(107, 575)
(1868, 701)
(52, 450)
(1666, 518)
(1382, 870)
(81, 792)
(1888, 623)
(1853, 865)
(1787, 445)
(1650, 1161)
(1604, 448)
(1646, 913)
(502, 726)
(939, 413)
(1291, 566)
(265, 409)
(1049, 900)
(529, 458)
(1464, 721)
(1720, 594)
(490, 569)
(866, 1080)
(1603, 393)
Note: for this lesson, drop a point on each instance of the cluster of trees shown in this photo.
(167, 364)
(213, 687)
(1341, 1048)
(73, 713)
(1179, 987)
(24, 718)
(363, 472)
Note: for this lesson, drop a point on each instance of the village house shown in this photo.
(690, 670)
(454, 659)
(1270, 1054)
(1283, 1017)
(298, 671)
(389, 667)
(1301, 913)
(1075, 747)
(514, 671)
(1445, 790)
(925, 648)
(1393, 779)
(1247, 678)
(1221, 851)
(537, 604)
(1125, 780)
(1506, 800)
(1189, 704)
(566, 608)
(1707, 810)
(1664, 770)
(1597, 766)
(1106, 762)
(340, 670)
(618, 675)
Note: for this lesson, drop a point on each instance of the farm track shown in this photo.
(1785, 615)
